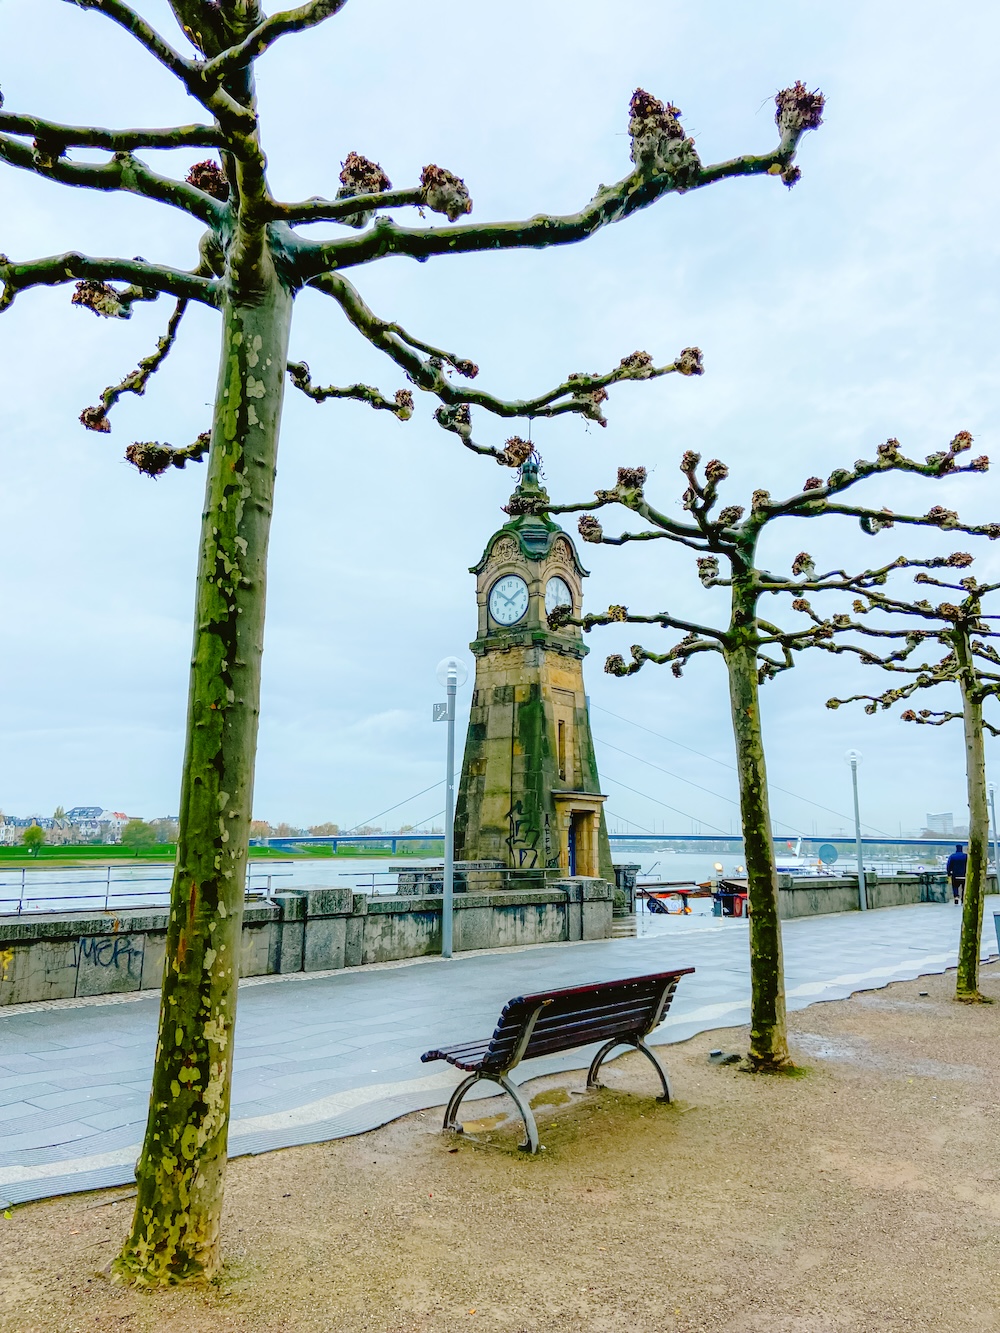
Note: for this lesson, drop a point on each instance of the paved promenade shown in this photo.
(323, 1056)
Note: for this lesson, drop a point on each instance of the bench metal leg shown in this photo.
(512, 1091)
(531, 1129)
(451, 1110)
(598, 1060)
(664, 1077)
(639, 1045)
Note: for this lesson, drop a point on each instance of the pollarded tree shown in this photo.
(253, 259)
(973, 665)
(754, 649)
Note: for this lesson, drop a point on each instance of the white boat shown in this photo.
(793, 862)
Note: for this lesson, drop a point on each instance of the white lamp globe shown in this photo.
(453, 669)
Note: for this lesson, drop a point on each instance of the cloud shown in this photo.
(859, 305)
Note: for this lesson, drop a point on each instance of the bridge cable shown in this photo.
(732, 767)
(621, 818)
(362, 822)
(693, 818)
(638, 758)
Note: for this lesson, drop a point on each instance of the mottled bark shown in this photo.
(768, 1037)
(967, 981)
(175, 1234)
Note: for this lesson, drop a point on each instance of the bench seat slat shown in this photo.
(469, 1055)
(561, 1025)
(602, 986)
(569, 1018)
(572, 1031)
(567, 1039)
(627, 1008)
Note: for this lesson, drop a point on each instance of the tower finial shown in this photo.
(530, 496)
(530, 469)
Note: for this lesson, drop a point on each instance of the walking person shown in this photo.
(955, 870)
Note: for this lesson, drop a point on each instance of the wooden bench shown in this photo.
(616, 1013)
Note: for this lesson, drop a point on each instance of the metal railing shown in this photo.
(114, 893)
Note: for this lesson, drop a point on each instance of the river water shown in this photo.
(96, 887)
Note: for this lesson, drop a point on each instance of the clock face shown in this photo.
(508, 599)
(557, 593)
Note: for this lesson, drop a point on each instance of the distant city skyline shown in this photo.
(91, 817)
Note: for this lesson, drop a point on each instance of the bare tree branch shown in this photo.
(812, 499)
(72, 267)
(401, 405)
(203, 24)
(335, 210)
(620, 615)
(666, 162)
(154, 459)
(191, 73)
(425, 365)
(628, 492)
(960, 628)
(92, 136)
(145, 35)
(838, 580)
(676, 657)
(124, 172)
(96, 418)
(266, 34)
(608, 206)
(946, 519)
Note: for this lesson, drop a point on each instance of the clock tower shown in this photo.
(529, 796)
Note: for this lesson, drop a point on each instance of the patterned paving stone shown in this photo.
(335, 1054)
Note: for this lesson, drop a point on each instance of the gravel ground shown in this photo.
(861, 1197)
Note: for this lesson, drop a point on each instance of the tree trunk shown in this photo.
(967, 981)
(180, 1174)
(768, 1038)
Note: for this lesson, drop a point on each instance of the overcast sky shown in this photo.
(859, 305)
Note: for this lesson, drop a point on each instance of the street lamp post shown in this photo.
(853, 757)
(996, 843)
(451, 673)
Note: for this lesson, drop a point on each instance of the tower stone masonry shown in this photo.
(530, 795)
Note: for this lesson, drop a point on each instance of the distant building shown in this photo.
(84, 823)
(111, 823)
(83, 813)
(943, 825)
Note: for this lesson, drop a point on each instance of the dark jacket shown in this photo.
(956, 865)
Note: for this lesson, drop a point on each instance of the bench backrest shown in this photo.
(580, 1015)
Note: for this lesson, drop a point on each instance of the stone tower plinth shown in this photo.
(529, 795)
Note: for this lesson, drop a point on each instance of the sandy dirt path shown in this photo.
(862, 1197)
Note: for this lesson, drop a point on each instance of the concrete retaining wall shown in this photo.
(306, 930)
(815, 897)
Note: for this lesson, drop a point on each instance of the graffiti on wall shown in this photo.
(522, 840)
(115, 951)
(551, 851)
